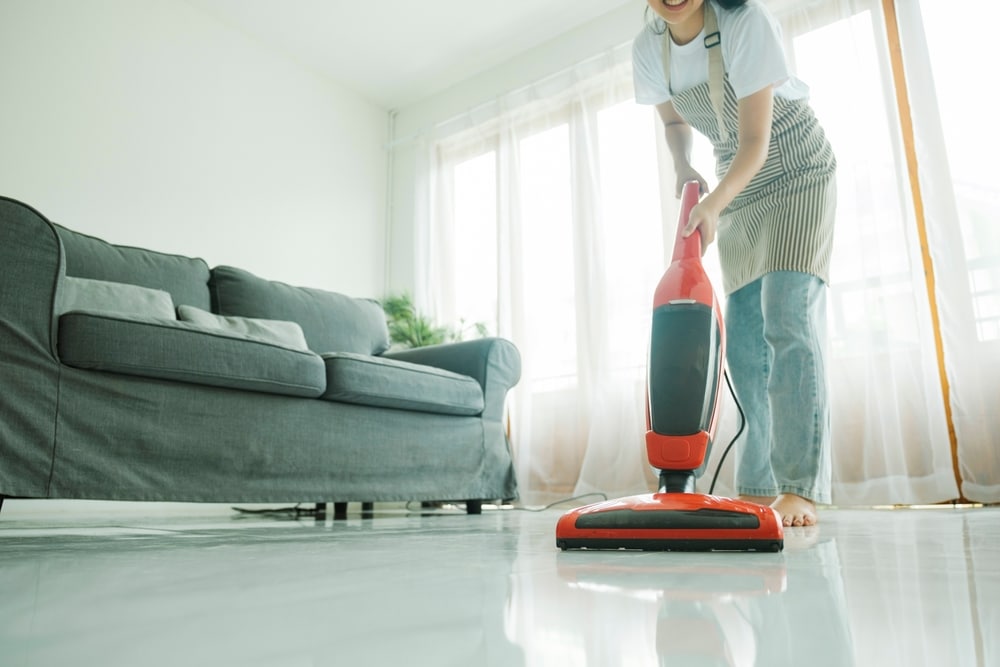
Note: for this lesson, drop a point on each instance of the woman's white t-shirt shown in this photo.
(752, 54)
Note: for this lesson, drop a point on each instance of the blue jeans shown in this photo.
(776, 351)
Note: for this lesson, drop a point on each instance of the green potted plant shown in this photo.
(409, 328)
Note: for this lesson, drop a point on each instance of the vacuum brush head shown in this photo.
(672, 522)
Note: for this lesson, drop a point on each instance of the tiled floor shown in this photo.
(867, 587)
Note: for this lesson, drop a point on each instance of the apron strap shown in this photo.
(716, 68)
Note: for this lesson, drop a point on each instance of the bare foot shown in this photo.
(795, 510)
(760, 500)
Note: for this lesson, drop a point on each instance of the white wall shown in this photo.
(150, 123)
(599, 36)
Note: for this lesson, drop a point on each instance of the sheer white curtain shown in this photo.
(547, 227)
(957, 146)
(892, 440)
(549, 211)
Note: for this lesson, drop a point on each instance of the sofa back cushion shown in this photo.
(185, 278)
(331, 322)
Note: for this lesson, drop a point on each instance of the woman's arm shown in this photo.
(755, 115)
(678, 134)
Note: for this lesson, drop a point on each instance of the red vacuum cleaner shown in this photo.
(684, 378)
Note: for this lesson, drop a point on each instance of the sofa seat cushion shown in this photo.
(175, 350)
(376, 381)
(331, 322)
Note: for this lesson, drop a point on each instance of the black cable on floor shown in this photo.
(295, 511)
(559, 502)
(504, 508)
(743, 423)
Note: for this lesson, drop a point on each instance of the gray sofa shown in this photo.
(128, 374)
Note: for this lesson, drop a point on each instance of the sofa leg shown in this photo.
(1, 502)
(473, 506)
(367, 509)
(339, 511)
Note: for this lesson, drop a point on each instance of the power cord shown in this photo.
(604, 496)
(743, 423)
(298, 510)
(295, 511)
(517, 508)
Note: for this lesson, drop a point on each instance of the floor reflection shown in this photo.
(704, 613)
(441, 588)
(676, 608)
(865, 588)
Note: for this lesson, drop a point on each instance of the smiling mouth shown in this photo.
(673, 5)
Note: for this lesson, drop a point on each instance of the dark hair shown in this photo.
(659, 26)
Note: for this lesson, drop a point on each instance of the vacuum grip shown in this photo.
(687, 247)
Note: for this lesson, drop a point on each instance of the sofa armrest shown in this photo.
(31, 266)
(494, 363)
(30, 269)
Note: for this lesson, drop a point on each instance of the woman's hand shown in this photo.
(687, 173)
(704, 217)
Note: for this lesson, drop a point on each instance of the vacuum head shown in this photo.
(672, 522)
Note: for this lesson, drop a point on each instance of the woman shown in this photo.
(718, 66)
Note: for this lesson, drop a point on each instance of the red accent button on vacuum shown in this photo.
(675, 450)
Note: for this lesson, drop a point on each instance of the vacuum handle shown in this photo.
(689, 247)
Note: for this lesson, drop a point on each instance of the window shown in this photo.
(872, 283)
(969, 137)
(547, 250)
(475, 239)
(581, 215)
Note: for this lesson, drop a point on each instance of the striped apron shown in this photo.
(783, 220)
